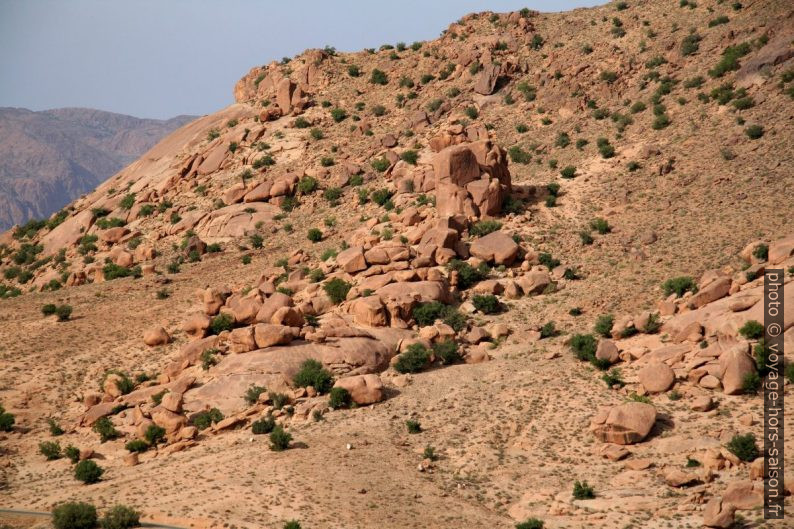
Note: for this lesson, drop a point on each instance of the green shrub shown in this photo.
(427, 313)
(690, 44)
(608, 76)
(484, 227)
(50, 449)
(548, 261)
(584, 346)
(263, 426)
(208, 359)
(613, 378)
(314, 235)
(74, 516)
(378, 77)
(600, 225)
(339, 398)
(154, 434)
(467, 274)
(582, 491)
(548, 330)
(519, 155)
(302, 123)
(337, 289)
(381, 196)
(307, 184)
(603, 325)
(413, 426)
(532, 523)
(204, 419)
(730, 59)
(752, 330)
(55, 428)
(316, 134)
(113, 271)
(789, 373)
(353, 70)
(380, 164)
(585, 237)
(754, 131)
(121, 517)
(64, 312)
(104, 427)
(751, 383)
(722, 19)
(88, 471)
(72, 453)
(679, 285)
(221, 322)
(332, 194)
(487, 304)
(743, 447)
(338, 114)
(447, 352)
(471, 112)
(252, 394)
(312, 373)
(127, 202)
(279, 439)
(605, 148)
(413, 360)
(292, 524)
(568, 172)
(137, 445)
(48, 309)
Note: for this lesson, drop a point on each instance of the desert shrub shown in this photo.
(380, 164)
(312, 373)
(338, 114)
(754, 131)
(743, 447)
(585, 237)
(337, 289)
(413, 426)
(339, 398)
(278, 400)
(413, 360)
(263, 161)
(568, 171)
(751, 383)
(548, 261)
(314, 235)
(519, 155)
(381, 196)
(279, 439)
(50, 450)
(378, 77)
(789, 373)
(64, 312)
(154, 434)
(307, 184)
(548, 330)
(292, 524)
(484, 227)
(55, 428)
(447, 352)
(487, 304)
(467, 274)
(104, 427)
(221, 322)
(605, 148)
(204, 419)
(332, 194)
(48, 309)
(752, 330)
(679, 285)
(410, 156)
(88, 471)
(137, 445)
(72, 453)
(353, 70)
(612, 378)
(251, 395)
(730, 59)
(583, 346)
(690, 44)
(263, 426)
(74, 516)
(207, 359)
(582, 491)
(608, 76)
(653, 324)
(427, 313)
(471, 112)
(600, 225)
(532, 523)
(302, 123)
(121, 517)
(603, 325)
(113, 271)
(127, 202)
(722, 19)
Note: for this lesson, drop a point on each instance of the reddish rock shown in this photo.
(624, 424)
(364, 389)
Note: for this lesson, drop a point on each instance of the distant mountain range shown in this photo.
(51, 157)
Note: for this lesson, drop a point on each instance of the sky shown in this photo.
(162, 58)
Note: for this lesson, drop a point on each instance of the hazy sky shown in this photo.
(160, 58)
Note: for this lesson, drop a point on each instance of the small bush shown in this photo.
(279, 439)
(338, 114)
(221, 322)
(467, 274)
(582, 491)
(568, 172)
(608, 76)
(413, 426)
(252, 394)
(154, 434)
(447, 352)
(381, 196)
(50, 449)
(584, 346)
(519, 155)
(314, 235)
(55, 428)
(380, 164)
(378, 77)
(743, 447)
(605, 148)
(752, 330)
(613, 378)
(208, 359)
(121, 517)
(603, 325)
(413, 360)
(263, 426)
(487, 304)
(585, 237)
(204, 419)
(104, 427)
(679, 285)
(548, 330)
(471, 112)
(312, 373)
(339, 398)
(548, 261)
(64, 312)
(137, 445)
(484, 227)
(113, 271)
(307, 184)
(600, 225)
(754, 131)
(88, 471)
(337, 289)
(532, 523)
(751, 383)
(72, 453)
(74, 516)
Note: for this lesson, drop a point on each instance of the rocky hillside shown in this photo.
(450, 283)
(49, 158)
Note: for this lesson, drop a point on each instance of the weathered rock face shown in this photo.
(497, 247)
(471, 179)
(363, 389)
(625, 424)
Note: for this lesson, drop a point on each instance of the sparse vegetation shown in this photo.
(312, 373)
